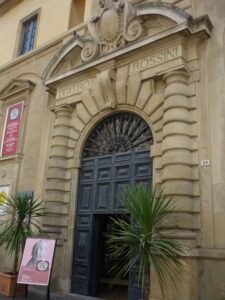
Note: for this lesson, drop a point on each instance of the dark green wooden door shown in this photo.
(101, 179)
(121, 159)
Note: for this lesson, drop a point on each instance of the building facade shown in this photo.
(101, 94)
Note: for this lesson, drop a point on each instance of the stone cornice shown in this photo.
(6, 5)
(180, 28)
(15, 87)
(99, 45)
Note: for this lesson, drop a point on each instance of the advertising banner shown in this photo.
(11, 129)
(4, 193)
(37, 261)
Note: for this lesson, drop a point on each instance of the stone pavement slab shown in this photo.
(40, 295)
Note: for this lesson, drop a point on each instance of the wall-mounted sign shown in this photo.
(37, 261)
(11, 129)
(204, 162)
(4, 193)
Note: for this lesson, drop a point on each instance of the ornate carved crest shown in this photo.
(115, 25)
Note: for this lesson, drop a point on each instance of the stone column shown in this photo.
(178, 145)
(60, 193)
(178, 165)
(58, 181)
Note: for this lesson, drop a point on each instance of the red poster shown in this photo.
(37, 261)
(12, 128)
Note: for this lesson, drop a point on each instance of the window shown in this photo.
(28, 34)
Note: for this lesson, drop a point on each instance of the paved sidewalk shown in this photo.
(40, 295)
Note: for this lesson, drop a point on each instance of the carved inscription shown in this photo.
(73, 89)
(155, 59)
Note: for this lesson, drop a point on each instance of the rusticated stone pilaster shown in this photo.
(58, 181)
(179, 175)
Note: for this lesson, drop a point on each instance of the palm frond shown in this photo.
(136, 243)
(24, 212)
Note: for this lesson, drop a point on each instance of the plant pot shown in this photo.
(8, 283)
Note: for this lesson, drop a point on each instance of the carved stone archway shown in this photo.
(116, 153)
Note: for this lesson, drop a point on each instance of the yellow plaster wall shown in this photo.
(212, 91)
(77, 12)
(92, 6)
(54, 20)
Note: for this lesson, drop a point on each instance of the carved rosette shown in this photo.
(116, 25)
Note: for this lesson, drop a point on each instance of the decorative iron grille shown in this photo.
(118, 133)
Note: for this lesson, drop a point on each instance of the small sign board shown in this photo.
(4, 193)
(11, 129)
(37, 260)
(204, 162)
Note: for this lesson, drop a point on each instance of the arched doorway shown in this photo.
(115, 154)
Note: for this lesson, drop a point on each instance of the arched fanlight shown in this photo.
(118, 133)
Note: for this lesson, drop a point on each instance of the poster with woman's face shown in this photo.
(37, 261)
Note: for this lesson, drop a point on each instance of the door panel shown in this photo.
(104, 173)
(86, 198)
(81, 261)
(119, 189)
(103, 197)
(84, 221)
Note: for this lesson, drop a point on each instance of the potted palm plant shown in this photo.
(138, 242)
(23, 213)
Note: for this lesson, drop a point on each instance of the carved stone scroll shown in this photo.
(90, 50)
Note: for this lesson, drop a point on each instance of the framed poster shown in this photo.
(11, 129)
(37, 260)
(4, 193)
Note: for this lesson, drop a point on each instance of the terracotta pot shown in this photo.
(7, 285)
